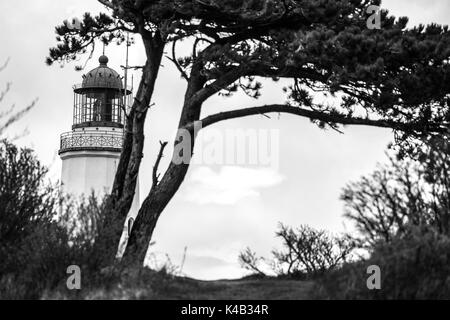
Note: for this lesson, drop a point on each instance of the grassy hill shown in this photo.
(152, 285)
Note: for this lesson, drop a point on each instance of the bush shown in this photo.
(416, 266)
(404, 192)
(306, 253)
(26, 204)
(401, 213)
(39, 263)
(41, 233)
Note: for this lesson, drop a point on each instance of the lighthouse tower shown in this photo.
(90, 152)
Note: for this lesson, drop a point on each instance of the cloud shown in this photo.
(229, 185)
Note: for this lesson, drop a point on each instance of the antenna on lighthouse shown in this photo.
(126, 71)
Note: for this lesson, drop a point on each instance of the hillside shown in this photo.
(157, 286)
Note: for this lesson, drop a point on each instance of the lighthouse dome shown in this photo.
(102, 77)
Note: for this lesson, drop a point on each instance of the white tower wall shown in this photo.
(87, 171)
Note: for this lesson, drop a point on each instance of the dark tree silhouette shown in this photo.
(250, 261)
(393, 77)
(311, 251)
(305, 252)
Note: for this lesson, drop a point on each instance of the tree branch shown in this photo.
(158, 160)
(16, 117)
(313, 115)
(174, 60)
(2, 67)
(107, 3)
(220, 84)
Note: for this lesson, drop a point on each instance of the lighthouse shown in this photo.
(90, 152)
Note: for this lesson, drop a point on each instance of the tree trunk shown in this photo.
(127, 172)
(162, 192)
(121, 198)
(150, 211)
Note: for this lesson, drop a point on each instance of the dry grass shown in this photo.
(159, 286)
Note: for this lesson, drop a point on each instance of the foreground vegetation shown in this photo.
(401, 214)
(148, 284)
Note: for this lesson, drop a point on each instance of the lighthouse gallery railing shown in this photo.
(91, 140)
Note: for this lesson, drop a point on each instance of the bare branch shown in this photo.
(158, 160)
(16, 117)
(174, 60)
(7, 112)
(250, 261)
(4, 92)
(4, 65)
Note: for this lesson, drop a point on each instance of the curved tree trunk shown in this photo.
(120, 200)
(160, 195)
(150, 211)
(162, 192)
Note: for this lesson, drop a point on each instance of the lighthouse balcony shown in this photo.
(91, 141)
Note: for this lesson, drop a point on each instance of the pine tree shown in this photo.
(393, 77)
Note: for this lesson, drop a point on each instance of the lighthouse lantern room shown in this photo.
(90, 152)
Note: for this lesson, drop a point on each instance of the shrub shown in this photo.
(404, 192)
(402, 216)
(25, 202)
(416, 266)
(306, 252)
(42, 233)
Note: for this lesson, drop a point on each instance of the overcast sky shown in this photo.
(219, 210)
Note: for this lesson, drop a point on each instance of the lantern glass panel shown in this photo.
(99, 105)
